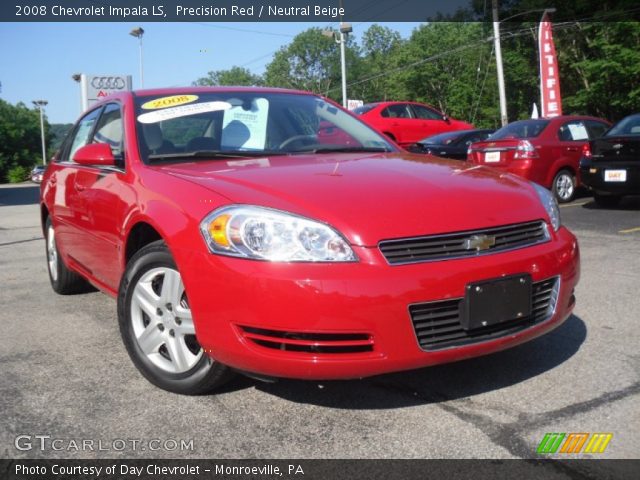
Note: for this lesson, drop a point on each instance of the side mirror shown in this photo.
(446, 119)
(95, 154)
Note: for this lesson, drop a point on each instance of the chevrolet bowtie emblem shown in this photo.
(479, 242)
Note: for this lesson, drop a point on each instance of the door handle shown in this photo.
(572, 149)
(80, 187)
(394, 124)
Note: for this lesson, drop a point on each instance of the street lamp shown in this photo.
(138, 33)
(496, 42)
(341, 39)
(40, 104)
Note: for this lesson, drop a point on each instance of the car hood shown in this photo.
(371, 197)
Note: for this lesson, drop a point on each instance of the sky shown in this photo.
(37, 60)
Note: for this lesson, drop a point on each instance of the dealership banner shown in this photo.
(550, 100)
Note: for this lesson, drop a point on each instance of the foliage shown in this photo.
(235, 76)
(450, 63)
(58, 132)
(312, 62)
(20, 143)
(18, 174)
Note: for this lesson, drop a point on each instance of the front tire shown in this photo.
(157, 326)
(564, 186)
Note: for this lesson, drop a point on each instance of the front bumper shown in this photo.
(351, 320)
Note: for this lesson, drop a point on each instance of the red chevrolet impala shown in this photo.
(269, 231)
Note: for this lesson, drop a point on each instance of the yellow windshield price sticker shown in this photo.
(171, 101)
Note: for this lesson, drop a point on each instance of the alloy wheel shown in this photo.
(162, 321)
(564, 186)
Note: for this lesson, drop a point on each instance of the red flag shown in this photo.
(550, 101)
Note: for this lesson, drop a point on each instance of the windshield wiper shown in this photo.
(212, 154)
(341, 149)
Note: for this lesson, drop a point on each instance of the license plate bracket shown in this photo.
(496, 301)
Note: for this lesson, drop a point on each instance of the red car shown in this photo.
(545, 151)
(408, 122)
(235, 237)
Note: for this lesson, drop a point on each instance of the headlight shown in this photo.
(550, 205)
(266, 234)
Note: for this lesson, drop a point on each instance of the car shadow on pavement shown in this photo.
(435, 384)
(22, 195)
(631, 203)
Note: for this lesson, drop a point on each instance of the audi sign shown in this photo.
(96, 87)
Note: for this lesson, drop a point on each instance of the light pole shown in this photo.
(40, 104)
(138, 33)
(341, 39)
(496, 42)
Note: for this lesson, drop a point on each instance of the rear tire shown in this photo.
(157, 326)
(63, 281)
(607, 201)
(564, 186)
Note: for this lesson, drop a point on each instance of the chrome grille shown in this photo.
(464, 244)
(437, 324)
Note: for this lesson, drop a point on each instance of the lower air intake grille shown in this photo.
(309, 342)
(437, 324)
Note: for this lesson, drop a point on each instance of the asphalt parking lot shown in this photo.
(65, 373)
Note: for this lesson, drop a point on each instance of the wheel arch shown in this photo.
(44, 214)
(140, 234)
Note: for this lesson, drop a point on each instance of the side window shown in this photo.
(424, 113)
(574, 131)
(596, 129)
(81, 134)
(396, 111)
(109, 129)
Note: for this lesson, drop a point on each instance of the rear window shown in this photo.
(364, 108)
(521, 129)
(627, 126)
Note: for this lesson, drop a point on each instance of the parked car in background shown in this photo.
(271, 232)
(610, 165)
(37, 173)
(546, 151)
(408, 122)
(451, 144)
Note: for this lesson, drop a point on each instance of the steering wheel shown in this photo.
(296, 138)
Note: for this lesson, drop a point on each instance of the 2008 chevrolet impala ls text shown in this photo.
(271, 232)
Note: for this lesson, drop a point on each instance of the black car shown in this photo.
(451, 144)
(610, 165)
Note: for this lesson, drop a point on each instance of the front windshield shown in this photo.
(521, 129)
(247, 123)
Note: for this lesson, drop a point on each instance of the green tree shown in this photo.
(446, 66)
(235, 76)
(19, 137)
(380, 48)
(600, 68)
(312, 62)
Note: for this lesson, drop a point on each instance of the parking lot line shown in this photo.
(630, 230)
(575, 204)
